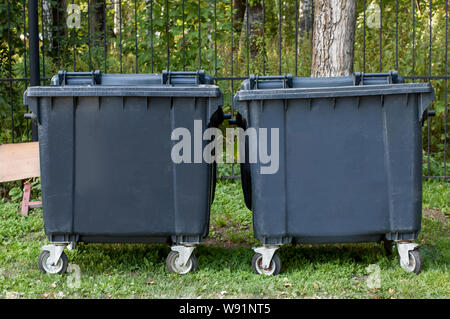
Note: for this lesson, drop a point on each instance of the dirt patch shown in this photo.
(219, 236)
(435, 214)
(226, 244)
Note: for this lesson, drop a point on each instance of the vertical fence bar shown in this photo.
(396, 35)
(104, 33)
(24, 42)
(413, 39)
(296, 35)
(381, 35)
(430, 43)
(43, 39)
(364, 37)
(73, 42)
(429, 81)
(25, 71)
(89, 34)
(33, 29)
(232, 71)
(151, 31)
(445, 89)
(167, 34)
(58, 34)
(184, 48)
(120, 36)
(263, 37)
(199, 37)
(136, 36)
(215, 39)
(279, 36)
(10, 74)
(247, 26)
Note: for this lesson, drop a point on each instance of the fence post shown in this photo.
(33, 29)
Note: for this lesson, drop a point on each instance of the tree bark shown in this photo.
(333, 37)
(97, 17)
(255, 27)
(305, 15)
(59, 29)
(238, 17)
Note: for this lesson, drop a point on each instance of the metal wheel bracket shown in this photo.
(403, 252)
(267, 253)
(184, 252)
(71, 245)
(55, 251)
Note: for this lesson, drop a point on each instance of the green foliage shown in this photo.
(15, 194)
(69, 49)
(436, 195)
(138, 271)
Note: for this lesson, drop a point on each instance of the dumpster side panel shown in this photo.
(191, 212)
(402, 152)
(57, 162)
(269, 190)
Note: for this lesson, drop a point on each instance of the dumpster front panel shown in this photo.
(350, 166)
(106, 166)
(128, 145)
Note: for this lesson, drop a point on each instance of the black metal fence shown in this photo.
(229, 39)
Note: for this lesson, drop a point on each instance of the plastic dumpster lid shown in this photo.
(360, 84)
(255, 82)
(288, 87)
(166, 84)
(64, 78)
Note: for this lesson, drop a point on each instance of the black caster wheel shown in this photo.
(173, 264)
(274, 268)
(415, 262)
(45, 266)
(388, 247)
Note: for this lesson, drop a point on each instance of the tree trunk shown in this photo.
(238, 17)
(255, 19)
(333, 37)
(59, 24)
(255, 28)
(96, 23)
(305, 15)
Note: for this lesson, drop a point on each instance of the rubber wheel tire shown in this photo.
(416, 258)
(388, 247)
(63, 262)
(274, 269)
(173, 268)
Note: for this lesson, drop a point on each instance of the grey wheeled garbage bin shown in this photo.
(106, 167)
(350, 159)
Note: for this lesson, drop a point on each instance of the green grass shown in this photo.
(138, 271)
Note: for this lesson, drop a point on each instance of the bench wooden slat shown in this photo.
(19, 161)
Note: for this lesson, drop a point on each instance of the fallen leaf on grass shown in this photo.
(391, 291)
(287, 285)
(11, 294)
(150, 283)
(316, 286)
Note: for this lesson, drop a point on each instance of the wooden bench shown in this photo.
(20, 161)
